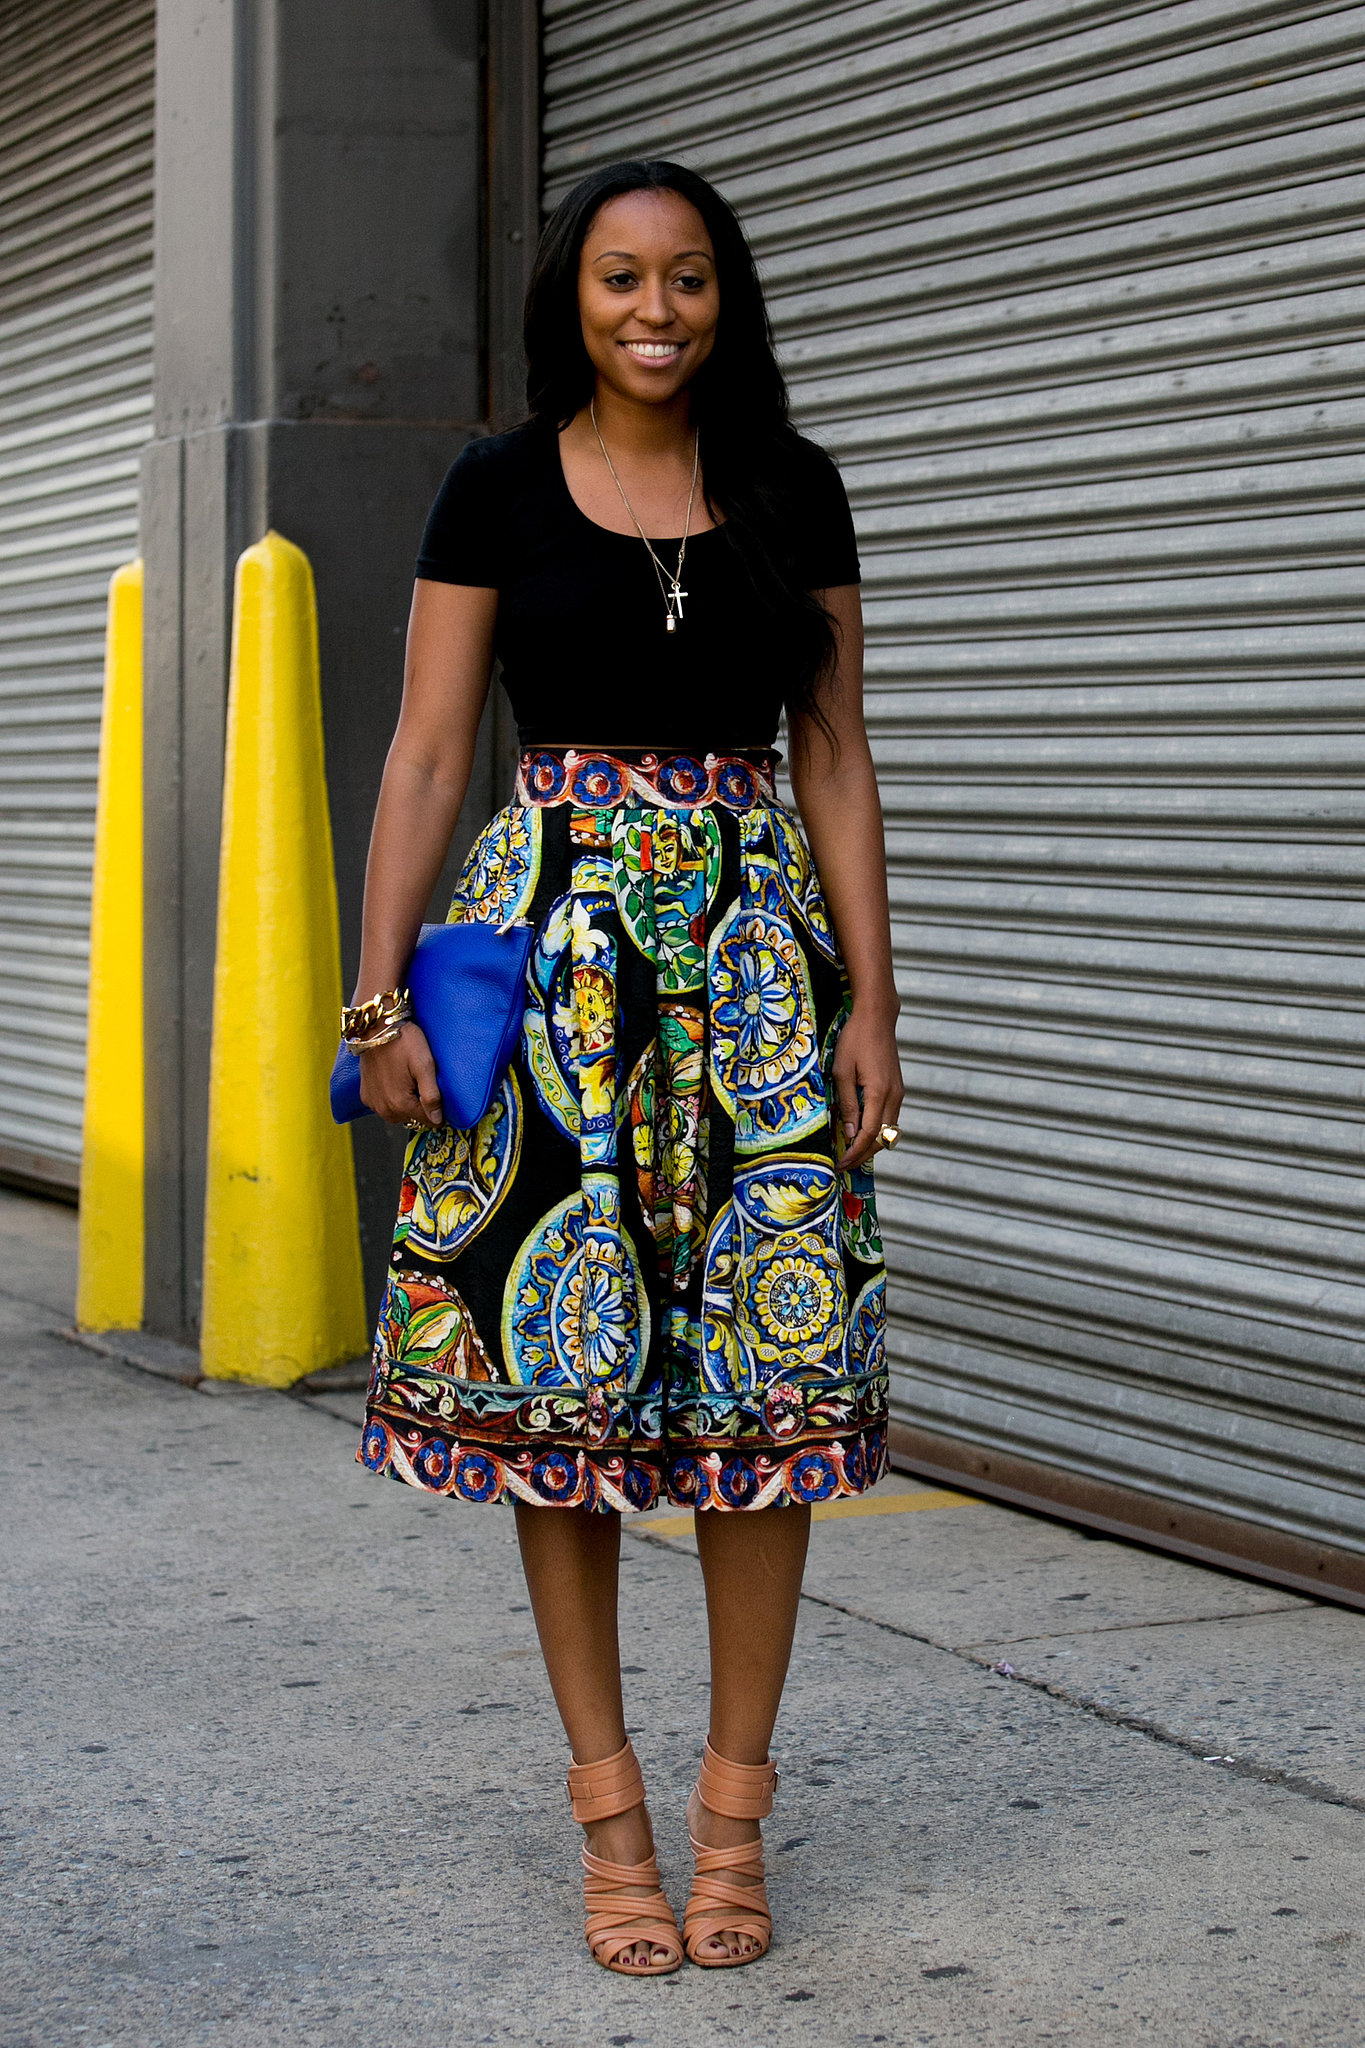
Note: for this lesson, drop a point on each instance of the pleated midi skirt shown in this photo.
(643, 1274)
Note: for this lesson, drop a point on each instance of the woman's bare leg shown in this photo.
(571, 1557)
(752, 1565)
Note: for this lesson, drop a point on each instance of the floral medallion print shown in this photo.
(575, 1309)
(722, 1364)
(569, 1028)
(867, 1329)
(794, 1301)
(454, 1180)
(764, 1057)
(774, 1289)
(643, 1276)
(548, 1025)
(796, 869)
(500, 874)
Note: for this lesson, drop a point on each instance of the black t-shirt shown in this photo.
(586, 656)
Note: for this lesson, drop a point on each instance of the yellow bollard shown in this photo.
(282, 1280)
(109, 1274)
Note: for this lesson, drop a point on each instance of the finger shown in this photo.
(846, 1094)
(869, 1129)
(428, 1093)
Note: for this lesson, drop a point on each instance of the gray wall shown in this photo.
(321, 357)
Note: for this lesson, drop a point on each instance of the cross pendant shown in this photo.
(675, 598)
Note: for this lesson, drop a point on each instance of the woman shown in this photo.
(653, 1270)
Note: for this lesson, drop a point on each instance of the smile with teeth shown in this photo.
(654, 351)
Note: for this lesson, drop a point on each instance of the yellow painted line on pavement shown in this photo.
(830, 1510)
(890, 1504)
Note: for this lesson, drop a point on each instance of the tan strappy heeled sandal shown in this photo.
(720, 1904)
(619, 1918)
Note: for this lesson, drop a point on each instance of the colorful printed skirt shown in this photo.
(642, 1274)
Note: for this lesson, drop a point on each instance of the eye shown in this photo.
(690, 282)
(619, 280)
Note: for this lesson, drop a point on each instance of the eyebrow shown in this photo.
(631, 257)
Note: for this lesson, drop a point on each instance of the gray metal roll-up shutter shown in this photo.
(75, 408)
(1073, 293)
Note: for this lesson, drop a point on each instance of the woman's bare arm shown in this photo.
(836, 793)
(445, 684)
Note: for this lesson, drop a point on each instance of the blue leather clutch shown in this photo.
(468, 993)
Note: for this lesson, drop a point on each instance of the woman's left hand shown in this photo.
(866, 1058)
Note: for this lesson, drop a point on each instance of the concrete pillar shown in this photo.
(322, 353)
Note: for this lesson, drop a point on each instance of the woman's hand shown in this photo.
(398, 1080)
(866, 1058)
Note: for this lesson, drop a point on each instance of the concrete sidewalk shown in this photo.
(274, 1775)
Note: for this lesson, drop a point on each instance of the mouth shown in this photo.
(654, 351)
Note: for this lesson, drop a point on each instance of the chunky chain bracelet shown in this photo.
(394, 1007)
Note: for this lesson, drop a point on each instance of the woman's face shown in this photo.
(647, 295)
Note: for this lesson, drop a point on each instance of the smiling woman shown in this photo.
(623, 316)
(653, 1270)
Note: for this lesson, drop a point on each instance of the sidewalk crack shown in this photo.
(1115, 1717)
(1117, 1628)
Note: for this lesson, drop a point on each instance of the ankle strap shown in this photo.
(609, 1787)
(739, 1791)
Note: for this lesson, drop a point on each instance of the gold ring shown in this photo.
(416, 1123)
(889, 1136)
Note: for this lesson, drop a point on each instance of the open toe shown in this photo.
(627, 1912)
(728, 1921)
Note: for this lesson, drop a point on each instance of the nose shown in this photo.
(652, 305)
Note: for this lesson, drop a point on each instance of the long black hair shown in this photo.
(749, 447)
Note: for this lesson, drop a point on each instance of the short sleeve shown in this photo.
(462, 539)
(827, 546)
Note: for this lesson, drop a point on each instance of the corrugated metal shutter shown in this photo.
(75, 407)
(1073, 293)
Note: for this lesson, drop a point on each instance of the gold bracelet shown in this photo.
(387, 1008)
(378, 1038)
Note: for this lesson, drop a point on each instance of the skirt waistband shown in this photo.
(596, 780)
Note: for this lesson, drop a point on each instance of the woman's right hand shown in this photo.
(398, 1080)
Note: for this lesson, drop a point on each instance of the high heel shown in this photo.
(619, 1918)
(721, 1905)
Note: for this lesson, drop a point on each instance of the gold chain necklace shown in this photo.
(670, 584)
